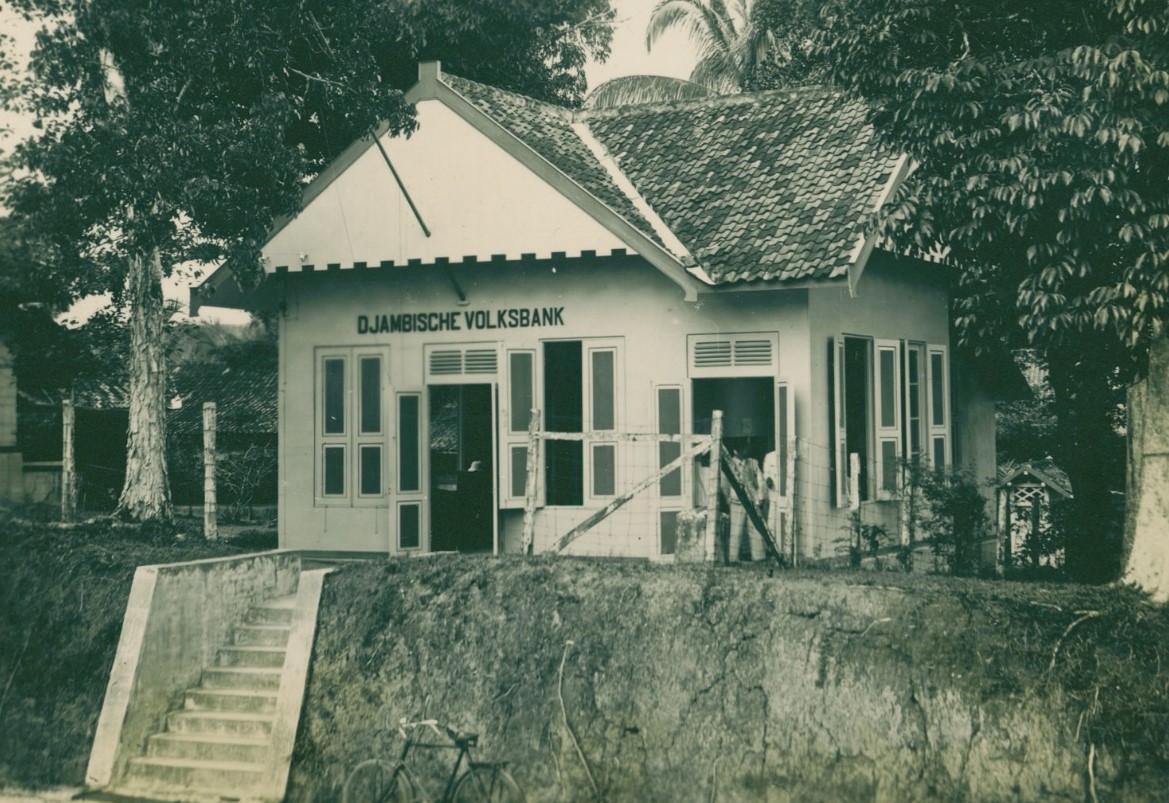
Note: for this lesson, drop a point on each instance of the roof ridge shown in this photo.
(715, 101)
(563, 111)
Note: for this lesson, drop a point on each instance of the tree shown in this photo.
(731, 47)
(177, 132)
(1040, 136)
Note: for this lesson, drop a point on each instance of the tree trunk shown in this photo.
(1146, 530)
(1091, 452)
(146, 494)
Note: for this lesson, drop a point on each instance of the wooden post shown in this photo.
(530, 486)
(790, 500)
(854, 481)
(68, 464)
(210, 521)
(712, 481)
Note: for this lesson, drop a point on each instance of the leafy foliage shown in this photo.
(731, 48)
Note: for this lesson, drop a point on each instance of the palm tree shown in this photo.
(730, 47)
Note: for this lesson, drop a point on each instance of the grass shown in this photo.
(63, 592)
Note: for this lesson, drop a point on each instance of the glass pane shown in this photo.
(371, 395)
(670, 411)
(408, 469)
(409, 526)
(939, 452)
(604, 470)
(670, 423)
(520, 400)
(334, 471)
(889, 466)
(671, 484)
(334, 396)
(888, 389)
(519, 471)
(603, 378)
(371, 470)
(938, 384)
(668, 522)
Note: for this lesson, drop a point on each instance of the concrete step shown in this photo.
(227, 776)
(237, 724)
(270, 657)
(243, 700)
(207, 747)
(262, 635)
(273, 612)
(241, 677)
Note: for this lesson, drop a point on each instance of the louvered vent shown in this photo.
(752, 352)
(712, 354)
(729, 355)
(479, 361)
(446, 363)
(455, 362)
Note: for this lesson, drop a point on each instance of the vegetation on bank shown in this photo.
(63, 593)
(682, 682)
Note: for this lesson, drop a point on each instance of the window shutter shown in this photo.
(937, 412)
(888, 416)
(839, 459)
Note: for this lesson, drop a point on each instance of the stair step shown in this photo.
(207, 747)
(238, 724)
(241, 677)
(273, 612)
(243, 700)
(270, 657)
(227, 776)
(262, 635)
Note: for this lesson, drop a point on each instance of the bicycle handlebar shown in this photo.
(433, 724)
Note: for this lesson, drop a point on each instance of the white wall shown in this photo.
(475, 198)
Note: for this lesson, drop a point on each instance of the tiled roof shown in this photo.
(244, 396)
(772, 186)
(547, 129)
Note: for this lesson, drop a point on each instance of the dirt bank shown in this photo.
(689, 683)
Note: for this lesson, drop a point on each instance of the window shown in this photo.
(581, 395)
(889, 399)
(351, 425)
(670, 488)
(519, 398)
(409, 452)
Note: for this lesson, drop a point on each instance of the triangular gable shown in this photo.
(475, 199)
(478, 191)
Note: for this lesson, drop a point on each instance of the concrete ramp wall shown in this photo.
(177, 616)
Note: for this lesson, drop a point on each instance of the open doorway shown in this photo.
(461, 481)
(748, 407)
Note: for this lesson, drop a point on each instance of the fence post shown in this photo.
(712, 480)
(790, 484)
(530, 486)
(854, 481)
(210, 521)
(68, 464)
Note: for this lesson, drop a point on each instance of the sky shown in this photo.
(672, 56)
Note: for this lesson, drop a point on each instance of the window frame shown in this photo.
(353, 439)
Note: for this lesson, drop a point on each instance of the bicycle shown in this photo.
(377, 781)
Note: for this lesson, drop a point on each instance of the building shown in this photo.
(1027, 494)
(624, 271)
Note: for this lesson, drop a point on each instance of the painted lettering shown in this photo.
(507, 318)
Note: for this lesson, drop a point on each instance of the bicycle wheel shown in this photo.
(377, 781)
(487, 784)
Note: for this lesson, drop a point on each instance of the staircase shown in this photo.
(219, 744)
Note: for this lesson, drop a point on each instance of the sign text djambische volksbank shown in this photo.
(461, 320)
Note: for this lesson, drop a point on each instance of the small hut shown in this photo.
(1027, 493)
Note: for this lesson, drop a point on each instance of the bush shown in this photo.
(954, 518)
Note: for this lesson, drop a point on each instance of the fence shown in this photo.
(674, 472)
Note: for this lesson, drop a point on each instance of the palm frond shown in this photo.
(631, 90)
(685, 15)
(718, 73)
